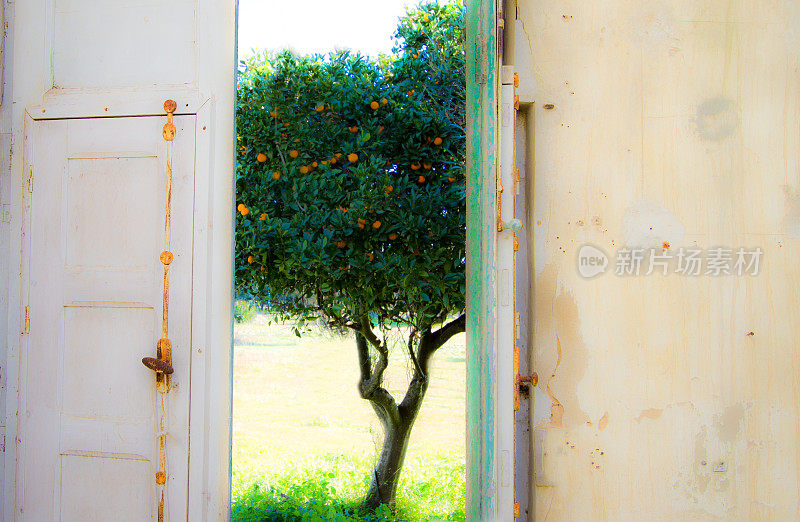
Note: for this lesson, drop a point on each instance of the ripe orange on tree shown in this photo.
(370, 257)
(352, 157)
(341, 243)
(421, 179)
(376, 225)
(384, 101)
(294, 154)
(415, 166)
(262, 217)
(374, 105)
(354, 129)
(303, 170)
(427, 165)
(392, 236)
(261, 158)
(244, 210)
(250, 259)
(276, 176)
(388, 189)
(437, 141)
(319, 108)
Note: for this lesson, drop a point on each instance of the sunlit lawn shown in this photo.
(304, 441)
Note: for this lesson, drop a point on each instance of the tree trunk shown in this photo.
(397, 419)
(386, 475)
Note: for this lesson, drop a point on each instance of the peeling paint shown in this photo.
(646, 225)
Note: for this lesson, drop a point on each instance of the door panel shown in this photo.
(88, 446)
(670, 126)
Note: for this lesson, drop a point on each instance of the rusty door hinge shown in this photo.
(29, 181)
(26, 329)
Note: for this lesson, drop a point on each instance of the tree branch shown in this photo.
(438, 338)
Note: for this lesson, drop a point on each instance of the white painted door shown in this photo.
(90, 173)
(91, 410)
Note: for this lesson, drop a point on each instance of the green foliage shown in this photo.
(328, 489)
(243, 311)
(350, 179)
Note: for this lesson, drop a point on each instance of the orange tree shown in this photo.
(351, 203)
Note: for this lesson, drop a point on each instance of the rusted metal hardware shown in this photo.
(524, 382)
(157, 365)
(161, 364)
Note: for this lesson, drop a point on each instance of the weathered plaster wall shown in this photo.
(673, 124)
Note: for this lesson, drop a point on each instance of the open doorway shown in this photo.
(349, 364)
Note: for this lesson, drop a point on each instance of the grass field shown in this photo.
(304, 442)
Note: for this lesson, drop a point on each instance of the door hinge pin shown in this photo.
(27, 325)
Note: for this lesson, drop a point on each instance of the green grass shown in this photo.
(329, 487)
(304, 442)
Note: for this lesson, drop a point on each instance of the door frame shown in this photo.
(483, 93)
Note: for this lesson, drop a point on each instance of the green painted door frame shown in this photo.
(482, 111)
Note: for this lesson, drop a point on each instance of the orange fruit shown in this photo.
(389, 189)
(384, 101)
(421, 179)
(319, 108)
(261, 158)
(341, 243)
(426, 165)
(392, 236)
(370, 257)
(276, 176)
(244, 210)
(451, 180)
(415, 166)
(426, 18)
(437, 141)
(374, 105)
(240, 206)
(353, 129)
(380, 129)
(352, 157)
(293, 154)
(250, 259)
(376, 225)
(303, 170)
(262, 217)
(361, 223)
(333, 161)
(338, 154)
(263, 268)
(415, 55)
(285, 124)
(315, 164)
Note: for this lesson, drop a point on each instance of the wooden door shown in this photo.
(97, 211)
(89, 173)
(667, 127)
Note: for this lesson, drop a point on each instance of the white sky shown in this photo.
(309, 26)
